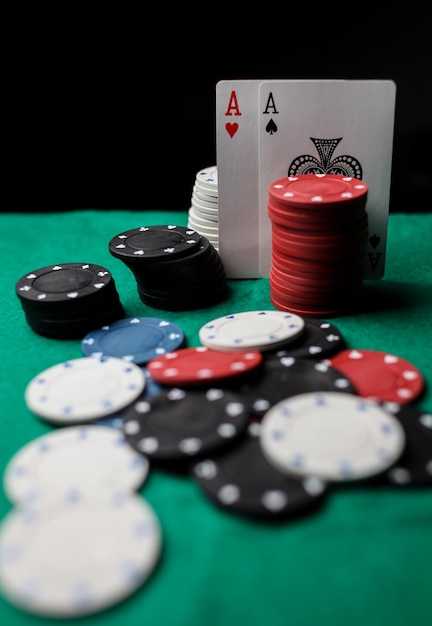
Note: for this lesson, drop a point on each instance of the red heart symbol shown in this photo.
(231, 128)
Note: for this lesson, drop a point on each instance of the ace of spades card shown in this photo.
(334, 127)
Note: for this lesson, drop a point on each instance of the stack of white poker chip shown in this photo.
(203, 215)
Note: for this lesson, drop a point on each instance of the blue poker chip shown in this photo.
(134, 339)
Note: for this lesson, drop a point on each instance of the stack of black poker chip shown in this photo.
(68, 300)
(175, 268)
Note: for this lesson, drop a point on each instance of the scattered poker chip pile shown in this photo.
(266, 415)
(203, 214)
(319, 238)
(176, 268)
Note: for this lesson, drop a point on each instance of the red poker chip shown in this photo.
(293, 296)
(335, 254)
(306, 310)
(201, 365)
(318, 189)
(320, 282)
(318, 215)
(343, 218)
(315, 298)
(379, 375)
(311, 296)
(313, 283)
(314, 266)
(324, 240)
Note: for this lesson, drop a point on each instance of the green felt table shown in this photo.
(363, 559)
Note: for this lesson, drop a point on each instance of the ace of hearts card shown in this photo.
(238, 168)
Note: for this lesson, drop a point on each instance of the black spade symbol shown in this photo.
(271, 128)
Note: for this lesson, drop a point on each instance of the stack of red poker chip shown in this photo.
(319, 241)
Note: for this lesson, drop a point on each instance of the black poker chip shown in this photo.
(241, 480)
(281, 377)
(187, 301)
(414, 467)
(179, 424)
(204, 253)
(63, 282)
(71, 328)
(318, 340)
(153, 242)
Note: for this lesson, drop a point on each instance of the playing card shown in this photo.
(238, 176)
(338, 127)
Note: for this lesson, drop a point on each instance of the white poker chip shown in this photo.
(84, 389)
(204, 214)
(201, 216)
(71, 461)
(203, 205)
(207, 214)
(210, 195)
(70, 560)
(207, 179)
(333, 435)
(203, 229)
(259, 330)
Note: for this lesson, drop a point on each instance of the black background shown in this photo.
(112, 111)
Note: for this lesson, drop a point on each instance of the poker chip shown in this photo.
(251, 330)
(152, 242)
(204, 221)
(290, 276)
(76, 328)
(84, 389)
(380, 375)
(206, 179)
(191, 366)
(318, 309)
(281, 377)
(318, 339)
(331, 270)
(70, 559)
(188, 301)
(318, 190)
(134, 339)
(414, 467)
(204, 227)
(180, 273)
(65, 301)
(335, 436)
(315, 222)
(64, 282)
(241, 480)
(207, 208)
(307, 294)
(182, 424)
(205, 196)
(72, 461)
